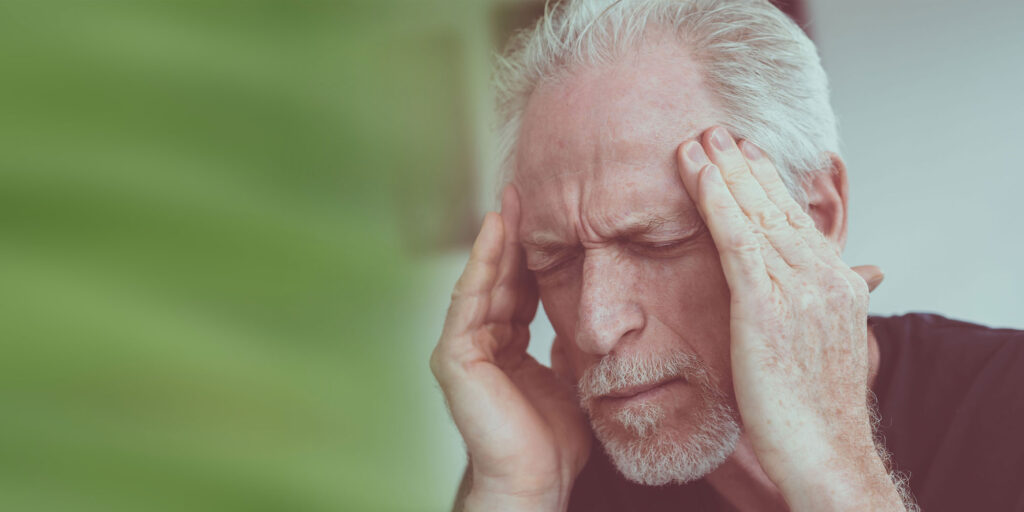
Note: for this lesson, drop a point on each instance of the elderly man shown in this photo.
(677, 202)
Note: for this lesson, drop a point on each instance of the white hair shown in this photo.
(761, 68)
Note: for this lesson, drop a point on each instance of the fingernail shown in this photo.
(696, 154)
(751, 151)
(720, 138)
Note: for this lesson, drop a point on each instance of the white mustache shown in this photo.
(616, 372)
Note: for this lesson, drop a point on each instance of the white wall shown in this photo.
(929, 99)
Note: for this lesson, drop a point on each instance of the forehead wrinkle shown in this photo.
(631, 224)
(638, 223)
(607, 225)
(590, 132)
(556, 175)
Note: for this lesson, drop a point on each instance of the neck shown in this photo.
(742, 485)
(741, 482)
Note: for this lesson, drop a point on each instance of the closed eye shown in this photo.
(559, 262)
(668, 248)
(660, 248)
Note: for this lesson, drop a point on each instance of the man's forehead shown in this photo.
(632, 112)
(597, 146)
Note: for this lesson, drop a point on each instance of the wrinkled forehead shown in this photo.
(618, 124)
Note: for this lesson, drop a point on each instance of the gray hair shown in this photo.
(761, 68)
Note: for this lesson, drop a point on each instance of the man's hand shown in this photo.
(798, 324)
(526, 436)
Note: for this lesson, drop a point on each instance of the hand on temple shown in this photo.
(526, 436)
(798, 325)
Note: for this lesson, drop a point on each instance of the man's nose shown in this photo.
(607, 309)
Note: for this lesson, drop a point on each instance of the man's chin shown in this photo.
(652, 446)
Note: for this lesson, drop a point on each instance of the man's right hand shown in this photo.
(526, 435)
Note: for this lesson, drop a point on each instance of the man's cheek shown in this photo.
(690, 295)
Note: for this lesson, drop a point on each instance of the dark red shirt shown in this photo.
(951, 398)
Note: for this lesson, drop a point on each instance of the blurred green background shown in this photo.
(228, 231)
(211, 214)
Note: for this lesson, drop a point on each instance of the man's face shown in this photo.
(628, 274)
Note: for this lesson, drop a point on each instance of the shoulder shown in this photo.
(930, 327)
(951, 397)
(924, 343)
(947, 361)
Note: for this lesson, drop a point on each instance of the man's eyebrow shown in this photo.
(632, 226)
(644, 224)
(679, 224)
(544, 241)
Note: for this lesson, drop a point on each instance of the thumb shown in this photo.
(871, 274)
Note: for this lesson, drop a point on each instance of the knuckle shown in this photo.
(435, 362)
(799, 218)
(775, 186)
(843, 293)
(719, 206)
(745, 242)
(861, 292)
(458, 290)
(769, 219)
(734, 172)
(441, 363)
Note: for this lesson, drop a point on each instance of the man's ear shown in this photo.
(827, 199)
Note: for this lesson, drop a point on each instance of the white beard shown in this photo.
(655, 453)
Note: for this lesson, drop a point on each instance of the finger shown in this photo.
(723, 152)
(738, 248)
(768, 176)
(527, 298)
(753, 199)
(471, 296)
(748, 194)
(776, 266)
(510, 297)
(871, 275)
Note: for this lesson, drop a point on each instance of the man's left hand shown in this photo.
(798, 323)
